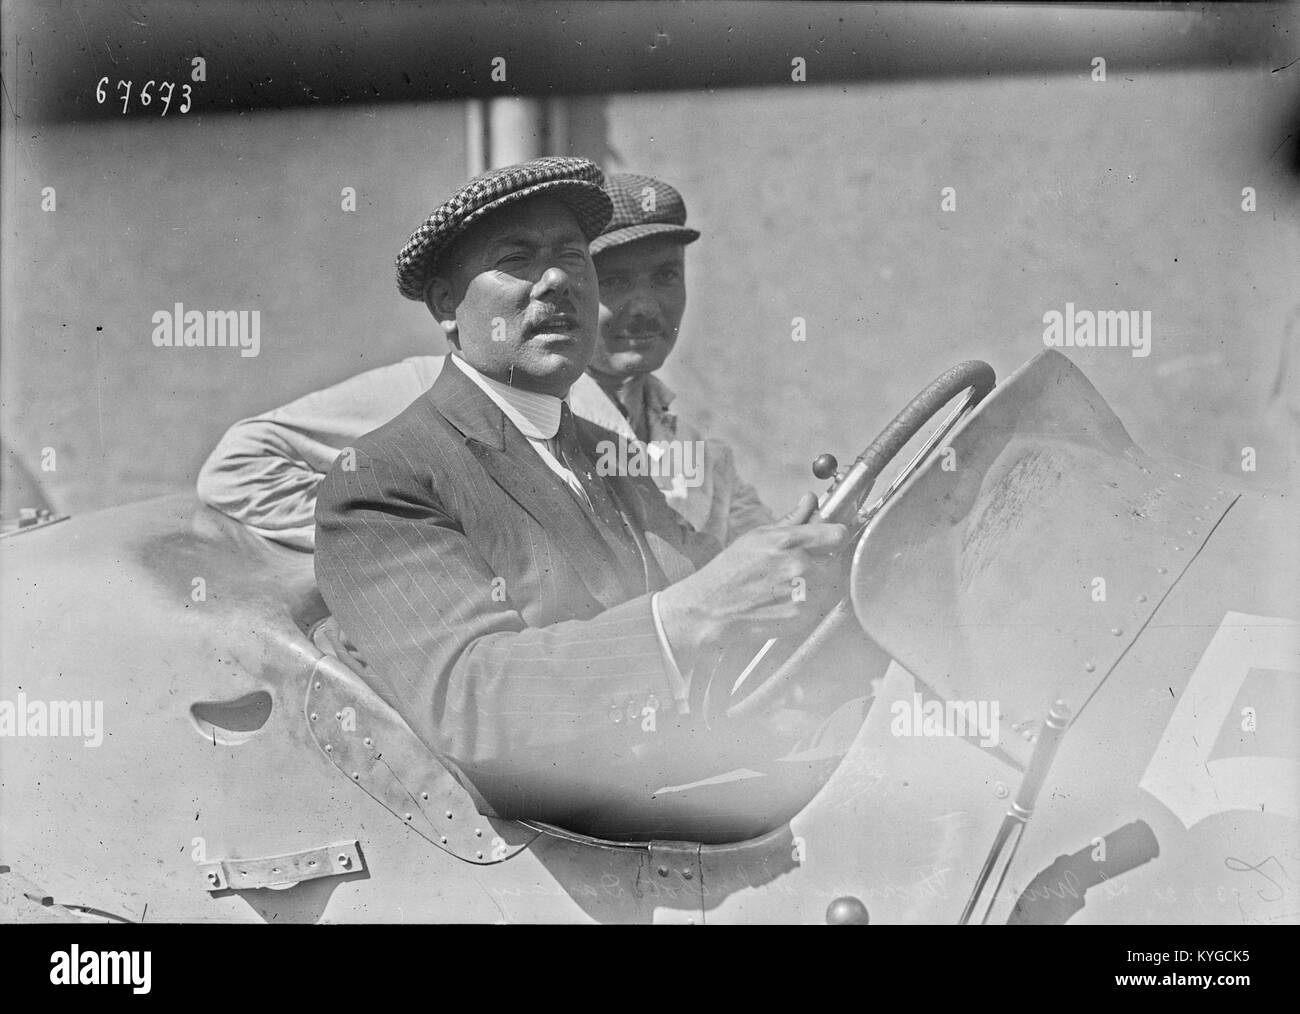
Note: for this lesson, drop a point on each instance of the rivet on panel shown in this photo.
(478, 832)
(1000, 790)
(328, 748)
(1162, 570)
(318, 684)
(313, 716)
(478, 855)
(345, 861)
(1089, 667)
(338, 716)
(449, 815)
(408, 816)
(366, 741)
(1117, 631)
(687, 874)
(424, 795)
(443, 839)
(356, 776)
(1142, 598)
(1178, 549)
(663, 871)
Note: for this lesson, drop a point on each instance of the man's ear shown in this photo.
(441, 301)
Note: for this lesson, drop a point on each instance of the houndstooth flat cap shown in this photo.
(643, 206)
(575, 181)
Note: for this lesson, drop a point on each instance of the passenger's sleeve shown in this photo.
(265, 470)
(745, 510)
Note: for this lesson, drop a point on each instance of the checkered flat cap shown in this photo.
(643, 206)
(575, 181)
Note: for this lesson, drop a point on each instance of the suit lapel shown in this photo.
(657, 527)
(512, 463)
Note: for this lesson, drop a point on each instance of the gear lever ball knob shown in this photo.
(825, 466)
(847, 911)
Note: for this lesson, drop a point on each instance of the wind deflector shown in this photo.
(1021, 567)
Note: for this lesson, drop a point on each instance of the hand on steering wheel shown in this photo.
(845, 503)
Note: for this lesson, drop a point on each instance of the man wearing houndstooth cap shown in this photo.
(471, 259)
(265, 470)
(515, 603)
(640, 260)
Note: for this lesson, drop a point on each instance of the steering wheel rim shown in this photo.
(844, 501)
(973, 375)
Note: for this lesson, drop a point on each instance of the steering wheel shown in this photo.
(845, 503)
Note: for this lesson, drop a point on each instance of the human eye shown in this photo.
(512, 259)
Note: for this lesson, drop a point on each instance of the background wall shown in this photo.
(825, 204)
(216, 212)
(821, 202)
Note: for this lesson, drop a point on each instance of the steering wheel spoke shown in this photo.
(845, 503)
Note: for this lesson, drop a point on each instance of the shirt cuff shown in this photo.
(680, 685)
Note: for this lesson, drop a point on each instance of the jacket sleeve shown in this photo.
(265, 470)
(745, 511)
(533, 717)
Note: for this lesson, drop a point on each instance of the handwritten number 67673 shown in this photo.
(146, 94)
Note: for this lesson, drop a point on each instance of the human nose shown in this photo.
(640, 304)
(555, 281)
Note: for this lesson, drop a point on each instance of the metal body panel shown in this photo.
(1020, 567)
(367, 741)
(980, 579)
(1194, 734)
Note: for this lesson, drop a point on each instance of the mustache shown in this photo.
(538, 316)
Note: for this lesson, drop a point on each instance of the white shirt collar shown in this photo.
(536, 416)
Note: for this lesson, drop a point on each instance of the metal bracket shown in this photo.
(284, 870)
(675, 865)
(29, 519)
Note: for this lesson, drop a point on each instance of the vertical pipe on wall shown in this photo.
(504, 131)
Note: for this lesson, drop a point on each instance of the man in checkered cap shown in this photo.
(641, 263)
(265, 470)
(545, 628)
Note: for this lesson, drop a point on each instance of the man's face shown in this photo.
(642, 299)
(524, 293)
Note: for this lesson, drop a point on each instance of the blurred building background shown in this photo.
(818, 201)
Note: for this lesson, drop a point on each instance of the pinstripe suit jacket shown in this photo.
(481, 593)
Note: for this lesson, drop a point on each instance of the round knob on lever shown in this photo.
(825, 466)
(847, 911)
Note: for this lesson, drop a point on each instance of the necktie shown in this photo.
(611, 522)
(568, 451)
